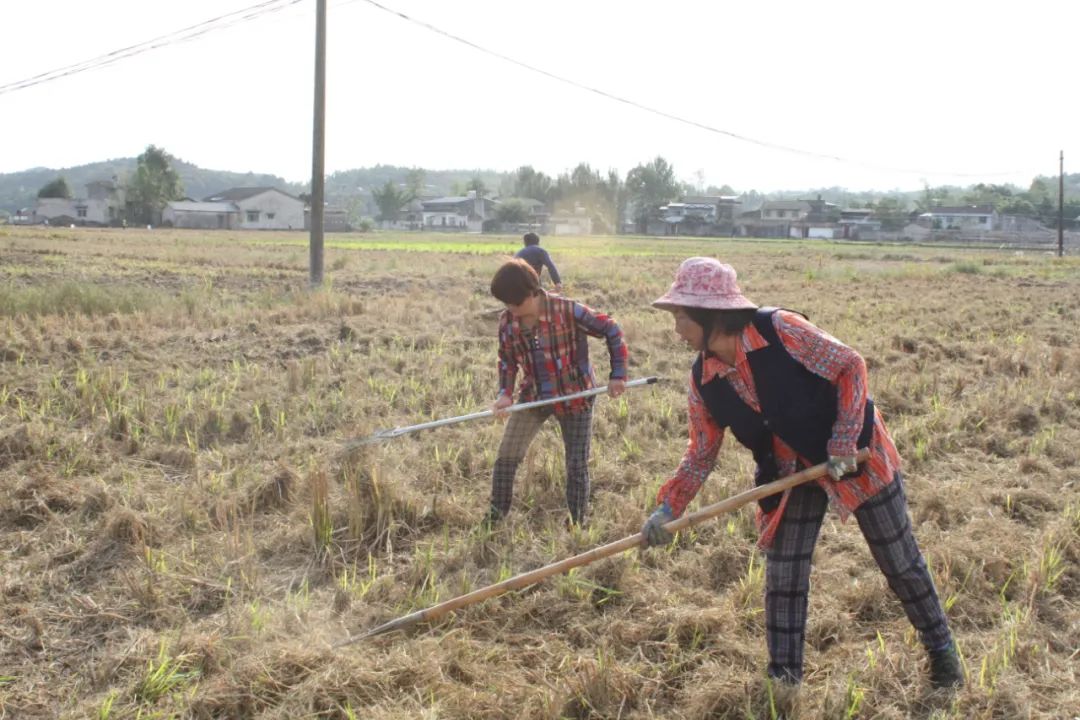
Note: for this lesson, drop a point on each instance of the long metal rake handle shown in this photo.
(397, 432)
(534, 576)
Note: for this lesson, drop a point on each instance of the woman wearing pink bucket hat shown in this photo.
(794, 396)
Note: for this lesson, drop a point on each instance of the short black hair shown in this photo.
(531, 238)
(515, 281)
(726, 322)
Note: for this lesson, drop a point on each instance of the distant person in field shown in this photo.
(545, 336)
(538, 259)
(794, 396)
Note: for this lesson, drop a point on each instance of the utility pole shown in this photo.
(1061, 204)
(318, 151)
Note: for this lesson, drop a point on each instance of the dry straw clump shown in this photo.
(182, 537)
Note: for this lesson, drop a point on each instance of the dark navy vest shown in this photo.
(797, 406)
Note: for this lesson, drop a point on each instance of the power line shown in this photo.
(191, 32)
(664, 113)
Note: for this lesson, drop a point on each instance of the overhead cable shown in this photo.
(664, 113)
(191, 32)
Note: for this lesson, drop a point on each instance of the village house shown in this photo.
(703, 215)
(410, 216)
(335, 219)
(103, 205)
(859, 224)
(965, 217)
(458, 213)
(201, 215)
(821, 221)
(263, 208)
(260, 208)
(774, 219)
(570, 223)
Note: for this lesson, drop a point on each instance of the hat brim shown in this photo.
(671, 301)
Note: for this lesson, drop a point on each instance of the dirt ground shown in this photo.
(183, 536)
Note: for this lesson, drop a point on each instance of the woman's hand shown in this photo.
(653, 529)
(840, 465)
(500, 405)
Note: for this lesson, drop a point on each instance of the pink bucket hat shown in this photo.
(703, 282)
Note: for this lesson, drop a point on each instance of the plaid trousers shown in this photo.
(886, 526)
(521, 428)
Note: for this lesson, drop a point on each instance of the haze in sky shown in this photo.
(876, 95)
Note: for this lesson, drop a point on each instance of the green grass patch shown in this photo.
(75, 298)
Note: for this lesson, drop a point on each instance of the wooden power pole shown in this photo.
(318, 151)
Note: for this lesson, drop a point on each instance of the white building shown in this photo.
(102, 205)
(263, 208)
(463, 213)
(966, 217)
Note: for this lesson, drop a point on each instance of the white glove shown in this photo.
(840, 465)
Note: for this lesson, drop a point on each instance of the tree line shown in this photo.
(603, 196)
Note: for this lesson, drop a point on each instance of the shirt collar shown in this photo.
(749, 341)
(543, 316)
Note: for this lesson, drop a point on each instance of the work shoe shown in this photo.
(945, 668)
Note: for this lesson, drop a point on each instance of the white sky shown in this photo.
(940, 88)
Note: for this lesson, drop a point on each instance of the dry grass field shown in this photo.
(181, 536)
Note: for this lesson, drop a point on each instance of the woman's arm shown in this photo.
(600, 325)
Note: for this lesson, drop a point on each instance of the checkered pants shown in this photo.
(886, 526)
(521, 428)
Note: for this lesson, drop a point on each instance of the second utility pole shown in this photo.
(318, 151)
(1061, 204)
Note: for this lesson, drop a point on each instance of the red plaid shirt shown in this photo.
(554, 355)
(823, 355)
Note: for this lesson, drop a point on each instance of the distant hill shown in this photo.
(19, 189)
(348, 188)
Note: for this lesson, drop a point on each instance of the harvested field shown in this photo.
(181, 536)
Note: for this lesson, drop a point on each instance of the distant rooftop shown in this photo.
(961, 210)
(242, 193)
(208, 207)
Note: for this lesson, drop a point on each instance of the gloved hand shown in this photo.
(840, 465)
(653, 529)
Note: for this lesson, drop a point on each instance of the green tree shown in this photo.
(615, 197)
(892, 212)
(579, 188)
(528, 183)
(390, 199)
(58, 188)
(477, 185)
(414, 182)
(933, 197)
(154, 184)
(650, 187)
(512, 211)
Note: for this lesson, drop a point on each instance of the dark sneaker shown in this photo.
(945, 669)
